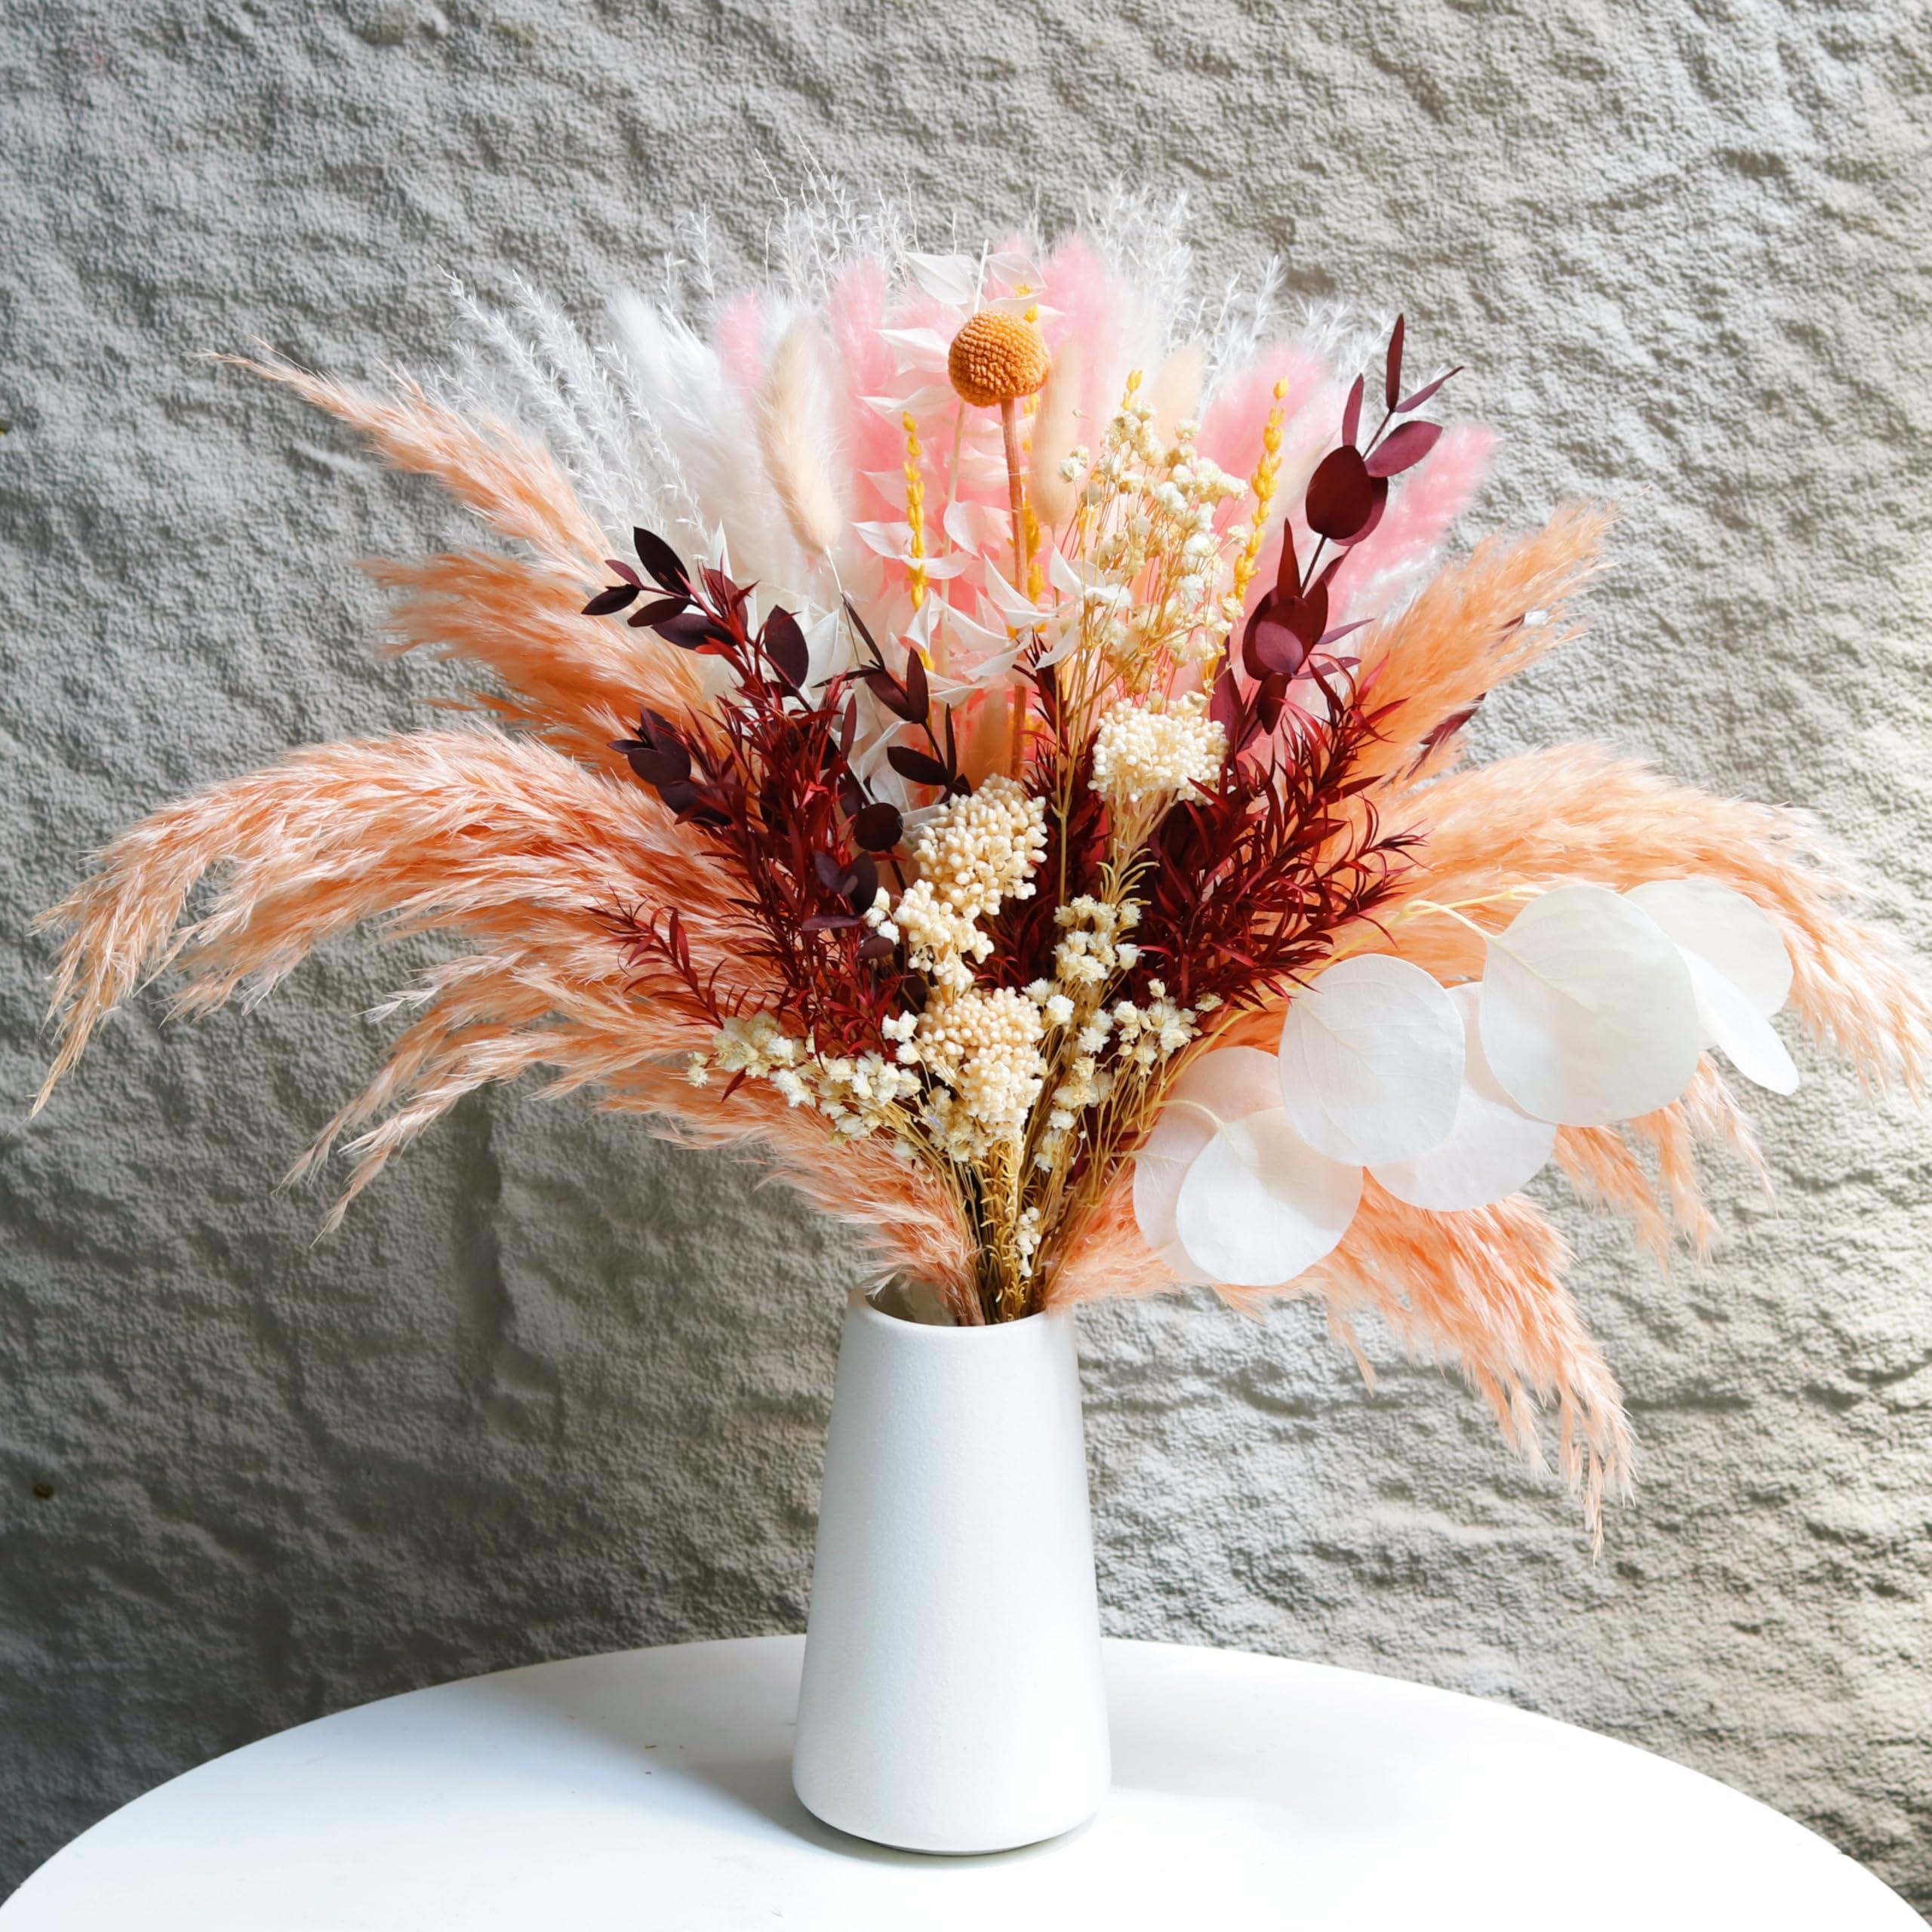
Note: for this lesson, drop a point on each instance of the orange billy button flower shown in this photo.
(995, 360)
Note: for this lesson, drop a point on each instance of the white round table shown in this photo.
(651, 1791)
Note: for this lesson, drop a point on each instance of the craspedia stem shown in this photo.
(1016, 489)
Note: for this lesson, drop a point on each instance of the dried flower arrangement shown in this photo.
(1018, 787)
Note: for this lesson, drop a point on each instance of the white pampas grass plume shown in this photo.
(1056, 431)
(794, 437)
(676, 381)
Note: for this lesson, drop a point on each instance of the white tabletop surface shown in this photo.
(651, 1791)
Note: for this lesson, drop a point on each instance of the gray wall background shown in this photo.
(555, 1390)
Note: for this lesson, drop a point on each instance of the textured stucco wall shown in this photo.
(555, 1390)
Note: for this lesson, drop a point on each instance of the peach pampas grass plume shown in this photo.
(514, 487)
(574, 681)
(1473, 627)
(510, 847)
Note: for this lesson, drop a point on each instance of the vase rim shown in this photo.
(859, 1301)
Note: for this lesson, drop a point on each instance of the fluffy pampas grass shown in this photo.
(805, 443)
(795, 432)
(516, 488)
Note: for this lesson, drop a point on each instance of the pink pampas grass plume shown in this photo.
(1377, 572)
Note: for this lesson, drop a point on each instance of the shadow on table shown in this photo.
(746, 1783)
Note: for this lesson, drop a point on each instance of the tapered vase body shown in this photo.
(951, 1699)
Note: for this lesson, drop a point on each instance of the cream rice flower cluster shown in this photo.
(984, 1049)
(1140, 752)
(972, 853)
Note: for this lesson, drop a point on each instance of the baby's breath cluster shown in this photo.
(1091, 952)
(858, 1094)
(1158, 596)
(1092, 1040)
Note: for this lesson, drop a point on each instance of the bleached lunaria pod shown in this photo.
(1371, 1059)
(1740, 971)
(1492, 1150)
(1589, 1016)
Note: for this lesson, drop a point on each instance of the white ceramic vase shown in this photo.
(952, 1699)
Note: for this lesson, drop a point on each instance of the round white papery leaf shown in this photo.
(1735, 934)
(1181, 1265)
(1160, 1168)
(1493, 1149)
(1259, 1204)
(1371, 1060)
(1229, 1084)
(1734, 1025)
(1588, 1013)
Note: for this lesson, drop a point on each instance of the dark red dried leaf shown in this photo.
(1378, 502)
(662, 766)
(828, 922)
(1451, 725)
(1224, 707)
(1428, 389)
(1341, 631)
(1271, 650)
(1287, 576)
(784, 644)
(691, 631)
(874, 946)
(615, 598)
(1391, 375)
(879, 827)
(1341, 495)
(1403, 448)
(866, 638)
(618, 567)
(665, 566)
(654, 613)
(1352, 412)
(908, 701)
(918, 698)
(917, 766)
(1307, 616)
